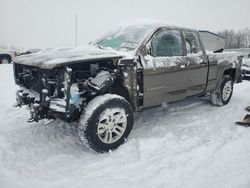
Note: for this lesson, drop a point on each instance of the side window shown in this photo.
(167, 43)
(192, 42)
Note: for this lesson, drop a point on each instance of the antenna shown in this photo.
(76, 28)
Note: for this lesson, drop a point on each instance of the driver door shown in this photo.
(165, 68)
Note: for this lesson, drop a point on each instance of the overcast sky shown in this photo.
(51, 23)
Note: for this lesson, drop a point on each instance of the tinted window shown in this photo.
(167, 43)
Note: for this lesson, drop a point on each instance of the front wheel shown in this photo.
(106, 123)
(224, 92)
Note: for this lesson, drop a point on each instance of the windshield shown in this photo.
(125, 38)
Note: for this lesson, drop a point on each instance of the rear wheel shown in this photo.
(106, 123)
(224, 92)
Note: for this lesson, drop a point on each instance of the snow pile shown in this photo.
(94, 104)
(50, 58)
(246, 62)
(225, 57)
(196, 58)
(223, 54)
(167, 62)
(189, 144)
(161, 62)
(147, 22)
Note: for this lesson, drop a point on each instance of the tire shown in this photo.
(222, 95)
(106, 123)
(5, 60)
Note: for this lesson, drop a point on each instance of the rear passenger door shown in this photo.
(197, 63)
(165, 71)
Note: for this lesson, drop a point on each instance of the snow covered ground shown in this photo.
(186, 144)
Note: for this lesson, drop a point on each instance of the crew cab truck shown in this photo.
(127, 70)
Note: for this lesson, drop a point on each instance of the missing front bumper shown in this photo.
(44, 107)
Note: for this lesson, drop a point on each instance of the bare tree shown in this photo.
(240, 39)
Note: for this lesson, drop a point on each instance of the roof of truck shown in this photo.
(205, 31)
(150, 22)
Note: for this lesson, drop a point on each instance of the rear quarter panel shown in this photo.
(221, 62)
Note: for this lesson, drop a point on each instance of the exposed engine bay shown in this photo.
(63, 92)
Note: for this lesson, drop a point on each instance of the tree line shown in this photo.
(236, 39)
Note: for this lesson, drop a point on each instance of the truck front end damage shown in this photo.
(61, 92)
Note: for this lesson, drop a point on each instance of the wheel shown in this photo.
(224, 92)
(106, 123)
(5, 60)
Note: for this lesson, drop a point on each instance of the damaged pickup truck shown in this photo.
(127, 70)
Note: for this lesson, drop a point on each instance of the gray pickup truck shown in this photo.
(127, 70)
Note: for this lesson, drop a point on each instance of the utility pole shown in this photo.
(76, 29)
